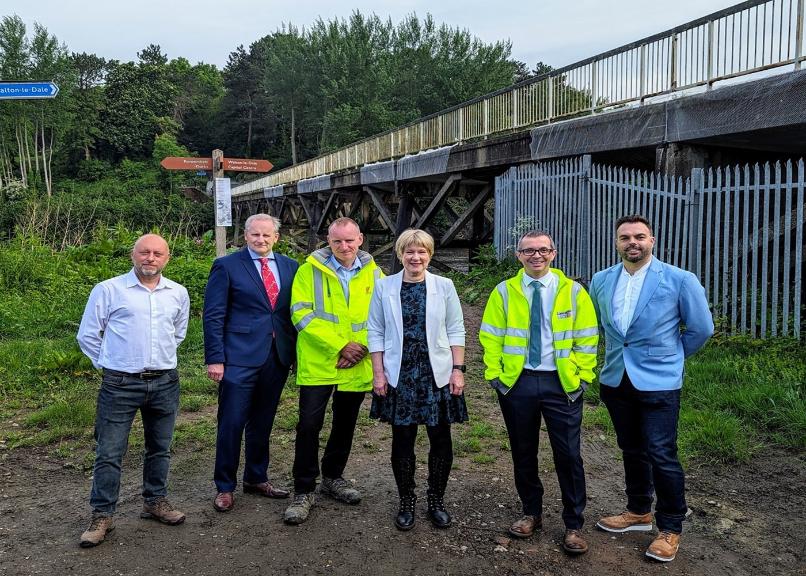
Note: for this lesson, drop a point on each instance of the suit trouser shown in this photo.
(312, 406)
(537, 394)
(247, 402)
(646, 431)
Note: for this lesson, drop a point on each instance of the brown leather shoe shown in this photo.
(574, 543)
(163, 511)
(224, 501)
(525, 526)
(99, 527)
(265, 489)
(664, 547)
(626, 522)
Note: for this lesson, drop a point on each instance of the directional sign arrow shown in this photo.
(186, 163)
(246, 165)
(27, 90)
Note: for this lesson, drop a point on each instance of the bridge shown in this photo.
(727, 87)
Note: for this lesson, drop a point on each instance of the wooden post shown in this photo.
(220, 231)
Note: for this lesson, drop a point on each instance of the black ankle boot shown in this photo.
(403, 469)
(405, 515)
(436, 511)
(438, 471)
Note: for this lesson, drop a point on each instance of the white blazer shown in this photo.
(444, 325)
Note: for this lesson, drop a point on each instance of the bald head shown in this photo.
(149, 256)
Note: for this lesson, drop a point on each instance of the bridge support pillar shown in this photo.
(677, 160)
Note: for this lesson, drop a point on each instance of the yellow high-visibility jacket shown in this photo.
(504, 332)
(326, 322)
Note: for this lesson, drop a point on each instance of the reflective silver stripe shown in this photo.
(300, 326)
(359, 327)
(518, 332)
(582, 333)
(575, 288)
(564, 353)
(588, 349)
(502, 290)
(490, 329)
(319, 298)
(518, 350)
(567, 334)
(301, 306)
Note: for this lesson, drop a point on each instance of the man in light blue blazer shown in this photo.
(653, 316)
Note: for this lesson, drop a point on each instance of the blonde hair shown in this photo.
(414, 237)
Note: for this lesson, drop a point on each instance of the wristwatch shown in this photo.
(461, 367)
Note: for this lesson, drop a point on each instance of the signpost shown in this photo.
(27, 90)
(214, 167)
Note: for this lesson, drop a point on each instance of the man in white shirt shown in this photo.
(653, 315)
(539, 335)
(131, 328)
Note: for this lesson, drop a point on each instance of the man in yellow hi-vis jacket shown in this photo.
(329, 308)
(539, 334)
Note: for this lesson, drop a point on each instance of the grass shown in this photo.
(739, 397)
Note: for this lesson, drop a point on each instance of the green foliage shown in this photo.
(483, 275)
(92, 170)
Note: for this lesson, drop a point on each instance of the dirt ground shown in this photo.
(746, 520)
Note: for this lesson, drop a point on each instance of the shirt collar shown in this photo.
(332, 260)
(546, 280)
(256, 256)
(640, 272)
(132, 280)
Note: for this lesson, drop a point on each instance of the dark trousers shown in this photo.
(247, 402)
(537, 394)
(646, 430)
(403, 438)
(312, 405)
(119, 399)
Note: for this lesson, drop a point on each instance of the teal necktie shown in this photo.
(535, 322)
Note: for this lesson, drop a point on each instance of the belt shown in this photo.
(539, 372)
(145, 375)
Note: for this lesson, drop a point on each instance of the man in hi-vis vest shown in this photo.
(539, 334)
(329, 307)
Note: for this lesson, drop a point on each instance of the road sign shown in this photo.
(244, 165)
(26, 90)
(186, 163)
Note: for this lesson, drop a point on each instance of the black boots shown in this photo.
(403, 469)
(438, 471)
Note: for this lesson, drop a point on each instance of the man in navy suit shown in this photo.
(654, 315)
(249, 346)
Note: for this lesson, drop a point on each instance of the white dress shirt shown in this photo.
(625, 296)
(548, 294)
(272, 265)
(129, 328)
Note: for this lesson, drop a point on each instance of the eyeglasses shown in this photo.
(529, 252)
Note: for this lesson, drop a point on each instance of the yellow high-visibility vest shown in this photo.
(326, 322)
(504, 332)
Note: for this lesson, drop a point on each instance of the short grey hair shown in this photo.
(537, 234)
(262, 217)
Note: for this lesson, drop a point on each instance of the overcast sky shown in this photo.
(557, 32)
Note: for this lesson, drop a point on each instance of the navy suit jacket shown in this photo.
(654, 348)
(239, 320)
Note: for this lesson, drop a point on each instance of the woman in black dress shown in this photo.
(416, 339)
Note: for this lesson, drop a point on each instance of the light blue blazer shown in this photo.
(671, 322)
(444, 325)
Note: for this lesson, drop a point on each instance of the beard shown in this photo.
(642, 254)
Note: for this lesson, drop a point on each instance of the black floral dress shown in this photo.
(417, 400)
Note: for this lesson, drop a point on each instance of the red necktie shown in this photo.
(269, 282)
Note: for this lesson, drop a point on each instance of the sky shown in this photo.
(557, 32)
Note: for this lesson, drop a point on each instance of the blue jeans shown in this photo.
(118, 401)
(537, 394)
(646, 430)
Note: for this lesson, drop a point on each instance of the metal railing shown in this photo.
(740, 229)
(744, 39)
